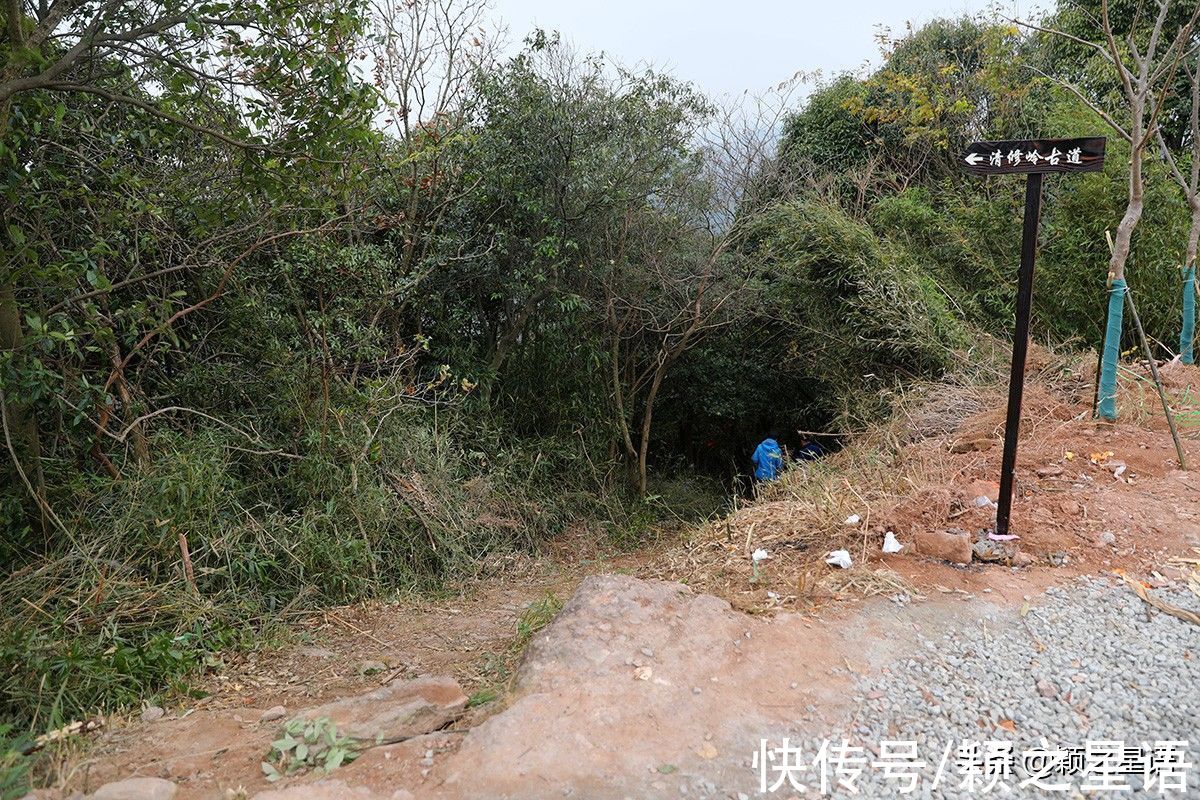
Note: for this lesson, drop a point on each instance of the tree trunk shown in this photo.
(619, 399)
(1133, 214)
(647, 415)
(1106, 405)
(1194, 235)
(22, 422)
(141, 449)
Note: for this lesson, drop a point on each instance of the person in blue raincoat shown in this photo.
(768, 459)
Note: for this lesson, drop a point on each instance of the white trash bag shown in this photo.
(890, 545)
(839, 558)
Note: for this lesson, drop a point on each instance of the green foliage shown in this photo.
(537, 616)
(279, 358)
(107, 622)
(308, 744)
(827, 132)
(14, 767)
(860, 312)
(482, 697)
(954, 81)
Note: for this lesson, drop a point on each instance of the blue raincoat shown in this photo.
(768, 460)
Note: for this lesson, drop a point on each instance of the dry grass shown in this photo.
(886, 475)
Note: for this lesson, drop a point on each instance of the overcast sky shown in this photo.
(731, 46)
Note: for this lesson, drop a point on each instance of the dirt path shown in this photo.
(638, 689)
(649, 688)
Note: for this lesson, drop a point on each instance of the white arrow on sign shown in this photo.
(973, 159)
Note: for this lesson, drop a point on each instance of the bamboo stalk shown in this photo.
(187, 561)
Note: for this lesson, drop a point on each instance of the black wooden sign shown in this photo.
(1035, 156)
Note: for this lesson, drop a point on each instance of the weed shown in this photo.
(308, 744)
(482, 697)
(534, 618)
(498, 666)
(14, 766)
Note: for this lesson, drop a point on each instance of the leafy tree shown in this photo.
(1145, 65)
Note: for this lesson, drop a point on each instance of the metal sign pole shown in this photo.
(1016, 380)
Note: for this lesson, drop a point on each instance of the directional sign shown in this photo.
(1035, 156)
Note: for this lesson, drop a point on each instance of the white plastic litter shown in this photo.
(839, 558)
(1119, 471)
(853, 519)
(890, 545)
(983, 501)
(759, 555)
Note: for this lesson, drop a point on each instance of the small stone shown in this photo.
(136, 789)
(1049, 471)
(1070, 508)
(273, 713)
(152, 713)
(1046, 689)
(315, 652)
(1107, 537)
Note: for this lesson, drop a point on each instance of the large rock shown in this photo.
(398, 711)
(636, 684)
(136, 789)
(955, 547)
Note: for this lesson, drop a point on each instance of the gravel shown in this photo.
(1086, 662)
